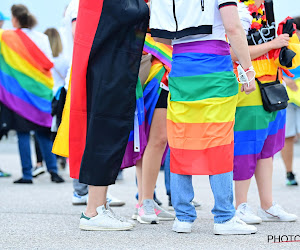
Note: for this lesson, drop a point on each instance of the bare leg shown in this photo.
(154, 152)
(287, 153)
(97, 198)
(241, 191)
(139, 179)
(263, 176)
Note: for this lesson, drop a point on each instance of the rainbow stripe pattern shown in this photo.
(161, 51)
(146, 100)
(25, 79)
(258, 134)
(203, 97)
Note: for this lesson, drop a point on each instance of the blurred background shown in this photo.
(46, 10)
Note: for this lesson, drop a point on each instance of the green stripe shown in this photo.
(158, 49)
(139, 90)
(26, 82)
(196, 88)
(253, 118)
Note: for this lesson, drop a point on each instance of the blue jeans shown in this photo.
(182, 193)
(167, 173)
(45, 144)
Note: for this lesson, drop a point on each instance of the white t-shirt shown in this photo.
(41, 40)
(59, 71)
(218, 32)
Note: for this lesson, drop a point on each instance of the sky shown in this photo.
(49, 13)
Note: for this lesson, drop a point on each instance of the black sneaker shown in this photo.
(290, 179)
(56, 178)
(23, 181)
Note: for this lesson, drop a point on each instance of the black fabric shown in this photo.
(39, 156)
(58, 106)
(112, 76)
(227, 4)
(203, 29)
(162, 101)
(274, 95)
(9, 120)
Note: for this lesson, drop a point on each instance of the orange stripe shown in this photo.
(210, 161)
(21, 50)
(199, 136)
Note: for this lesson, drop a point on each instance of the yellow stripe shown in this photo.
(153, 71)
(212, 110)
(254, 99)
(18, 63)
(61, 143)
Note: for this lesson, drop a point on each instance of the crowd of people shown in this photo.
(198, 89)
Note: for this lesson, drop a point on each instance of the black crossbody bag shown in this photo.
(274, 95)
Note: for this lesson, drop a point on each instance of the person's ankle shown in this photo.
(91, 214)
(266, 206)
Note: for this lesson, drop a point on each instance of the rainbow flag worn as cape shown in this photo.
(25, 78)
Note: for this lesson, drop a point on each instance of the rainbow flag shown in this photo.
(161, 51)
(146, 100)
(25, 78)
(258, 134)
(203, 97)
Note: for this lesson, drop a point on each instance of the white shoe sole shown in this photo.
(134, 216)
(37, 174)
(234, 232)
(182, 230)
(165, 219)
(139, 219)
(116, 204)
(278, 220)
(91, 228)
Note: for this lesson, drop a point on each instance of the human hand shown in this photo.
(280, 41)
(252, 87)
(291, 84)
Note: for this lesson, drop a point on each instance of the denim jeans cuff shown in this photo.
(189, 221)
(223, 221)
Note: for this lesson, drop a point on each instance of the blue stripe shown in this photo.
(191, 64)
(151, 97)
(13, 87)
(252, 141)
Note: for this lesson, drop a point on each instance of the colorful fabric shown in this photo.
(146, 102)
(101, 113)
(203, 97)
(25, 78)
(161, 51)
(295, 95)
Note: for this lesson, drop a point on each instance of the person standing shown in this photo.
(2, 20)
(260, 134)
(26, 89)
(202, 103)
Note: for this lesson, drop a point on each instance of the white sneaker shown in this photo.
(79, 200)
(182, 226)
(162, 214)
(38, 171)
(103, 221)
(245, 213)
(276, 213)
(113, 201)
(119, 217)
(147, 213)
(234, 226)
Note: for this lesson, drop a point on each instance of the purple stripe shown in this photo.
(24, 109)
(216, 47)
(245, 165)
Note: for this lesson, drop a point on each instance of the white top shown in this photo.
(66, 31)
(218, 32)
(59, 71)
(245, 17)
(41, 40)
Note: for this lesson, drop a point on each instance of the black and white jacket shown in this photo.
(174, 19)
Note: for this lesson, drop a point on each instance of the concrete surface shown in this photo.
(41, 216)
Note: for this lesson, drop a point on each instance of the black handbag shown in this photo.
(274, 95)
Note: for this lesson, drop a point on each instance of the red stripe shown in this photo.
(86, 26)
(35, 51)
(209, 161)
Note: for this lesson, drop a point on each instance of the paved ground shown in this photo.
(41, 216)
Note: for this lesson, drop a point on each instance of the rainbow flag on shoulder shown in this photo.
(25, 78)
